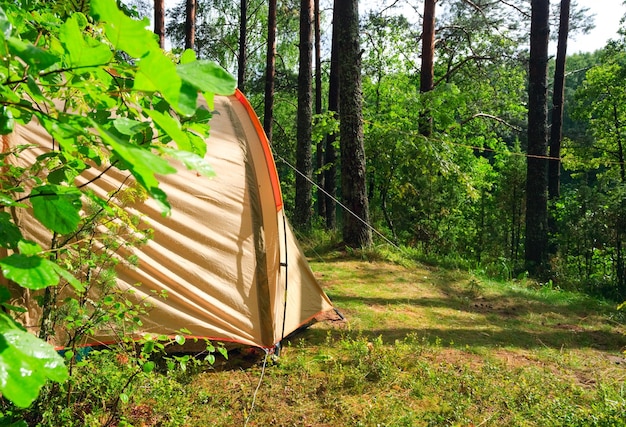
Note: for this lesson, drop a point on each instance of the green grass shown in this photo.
(428, 347)
(419, 346)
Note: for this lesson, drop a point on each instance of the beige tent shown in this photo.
(226, 256)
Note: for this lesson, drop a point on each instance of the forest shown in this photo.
(459, 134)
(456, 113)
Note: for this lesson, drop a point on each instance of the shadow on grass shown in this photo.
(503, 322)
(555, 339)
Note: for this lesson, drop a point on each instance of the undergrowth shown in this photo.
(419, 346)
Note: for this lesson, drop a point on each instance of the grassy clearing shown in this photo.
(419, 346)
(427, 347)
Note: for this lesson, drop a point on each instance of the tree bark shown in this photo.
(159, 21)
(304, 165)
(330, 154)
(190, 24)
(558, 96)
(356, 231)
(427, 71)
(319, 152)
(241, 60)
(556, 131)
(536, 244)
(270, 70)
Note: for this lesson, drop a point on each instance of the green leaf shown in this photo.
(207, 76)
(171, 127)
(157, 73)
(37, 58)
(69, 277)
(142, 163)
(223, 352)
(189, 55)
(82, 53)
(10, 233)
(179, 339)
(124, 398)
(191, 161)
(26, 363)
(29, 271)
(57, 207)
(211, 359)
(148, 367)
(5, 24)
(129, 127)
(124, 33)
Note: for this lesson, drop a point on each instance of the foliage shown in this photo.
(102, 89)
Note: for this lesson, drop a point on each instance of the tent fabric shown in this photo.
(226, 257)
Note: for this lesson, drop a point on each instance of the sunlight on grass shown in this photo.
(427, 347)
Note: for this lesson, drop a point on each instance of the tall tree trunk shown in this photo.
(427, 71)
(558, 96)
(319, 152)
(241, 60)
(270, 70)
(330, 154)
(556, 131)
(536, 244)
(159, 21)
(190, 24)
(304, 165)
(356, 231)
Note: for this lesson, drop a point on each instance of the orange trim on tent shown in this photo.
(278, 198)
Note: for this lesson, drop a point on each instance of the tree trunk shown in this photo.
(304, 165)
(356, 231)
(536, 244)
(241, 60)
(330, 155)
(190, 24)
(556, 131)
(159, 21)
(270, 70)
(427, 72)
(319, 152)
(558, 97)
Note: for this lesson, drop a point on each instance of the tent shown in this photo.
(226, 256)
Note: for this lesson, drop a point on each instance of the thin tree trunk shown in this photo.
(304, 164)
(330, 154)
(270, 70)
(159, 21)
(556, 131)
(558, 96)
(241, 60)
(190, 24)
(427, 72)
(319, 152)
(356, 231)
(536, 244)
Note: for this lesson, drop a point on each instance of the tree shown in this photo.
(330, 154)
(270, 69)
(319, 151)
(159, 21)
(428, 58)
(556, 129)
(536, 243)
(190, 24)
(356, 231)
(304, 164)
(44, 81)
(558, 98)
(243, 31)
